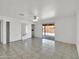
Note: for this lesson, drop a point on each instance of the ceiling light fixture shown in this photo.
(35, 19)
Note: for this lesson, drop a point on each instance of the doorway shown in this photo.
(0, 31)
(7, 32)
(48, 31)
(33, 27)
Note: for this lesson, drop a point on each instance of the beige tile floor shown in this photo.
(38, 49)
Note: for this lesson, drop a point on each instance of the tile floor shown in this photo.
(37, 48)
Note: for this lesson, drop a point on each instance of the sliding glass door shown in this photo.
(48, 30)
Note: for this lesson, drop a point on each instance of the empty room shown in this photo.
(39, 29)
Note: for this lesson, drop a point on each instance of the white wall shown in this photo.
(4, 31)
(15, 31)
(23, 29)
(29, 34)
(15, 28)
(77, 41)
(65, 29)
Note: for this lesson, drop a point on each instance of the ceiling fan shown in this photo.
(35, 17)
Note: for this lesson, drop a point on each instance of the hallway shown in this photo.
(37, 48)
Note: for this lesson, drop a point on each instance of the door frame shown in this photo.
(47, 24)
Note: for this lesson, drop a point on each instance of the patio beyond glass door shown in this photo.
(48, 31)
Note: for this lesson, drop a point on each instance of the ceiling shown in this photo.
(26, 9)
